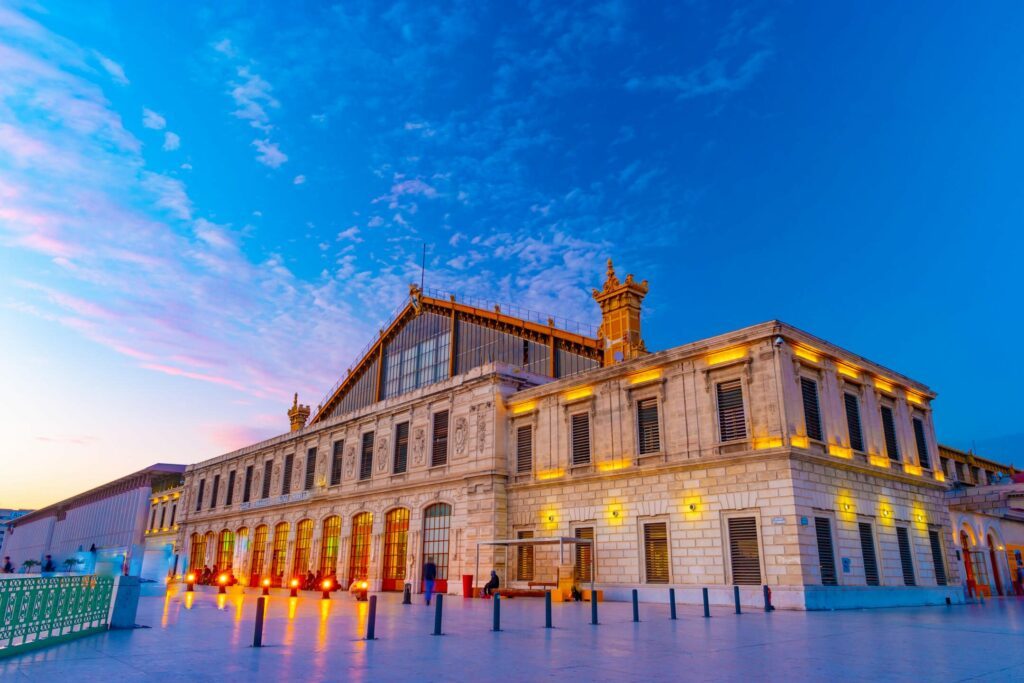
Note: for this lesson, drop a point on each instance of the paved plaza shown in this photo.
(206, 637)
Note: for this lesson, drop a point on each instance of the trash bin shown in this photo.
(467, 585)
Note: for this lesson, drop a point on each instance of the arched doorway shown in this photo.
(437, 520)
(197, 553)
(329, 547)
(396, 538)
(993, 559)
(965, 546)
(241, 550)
(280, 553)
(209, 549)
(303, 547)
(359, 560)
(225, 551)
(259, 554)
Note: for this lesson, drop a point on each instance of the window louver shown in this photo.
(656, 552)
(584, 555)
(892, 448)
(524, 450)
(366, 457)
(439, 450)
(524, 558)
(336, 458)
(940, 565)
(231, 488)
(199, 495)
(906, 560)
(853, 422)
(923, 458)
(647, 426)
(286, 476)
(826, 553)
(744, 556)
(310, 469)
(732, 423)
(268, 470)
(215, 491)
(867, 549)
(401, 448)
(247, 487)
(581, 439)
(812, 412)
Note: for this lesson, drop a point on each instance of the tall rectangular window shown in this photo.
(853, 422)
(732, 423)
(401, 448)
(439, 446)
(867, 549)
(152, 519)
(937, 560)
(307, 484)
(366, 457)
(286, 475)
(199, 495)
(268, 470)
(247, 484)
(174, 513)
(647, 426)
(892, 448)
(826, 553)
(584, 555)
(906, 559)
(923, 457)
(812, 411)
(524, 449)
(336, 457)
(580, 438)
(524, 558)
(656, 560)
(230, 496)
(744, 552)
(163, 515)
(214, 491)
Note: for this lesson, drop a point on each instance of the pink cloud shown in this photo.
(230, 437)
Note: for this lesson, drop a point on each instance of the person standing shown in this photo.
(8, 567)
(48, 565)
(429, 576)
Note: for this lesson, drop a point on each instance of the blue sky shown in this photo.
(206, 208)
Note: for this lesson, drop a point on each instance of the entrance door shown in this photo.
(995, 565)
(396, 537)
(437, 521)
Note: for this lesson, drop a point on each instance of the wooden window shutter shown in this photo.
(524, 450)
(648, 433)
(584, 555)
(940, 565)
(656, 560)
(853, 422)
(401, 448)
(732, 423)
(812, 412)
(826, 553)
(906, 560)
(366, 457)
(524, 558)
(310, 469)
(580, 438)
(336, 460)
(286, 477)
(744, 554)
(439, 449)
(892, 448)
(922, 444)
(867, 549)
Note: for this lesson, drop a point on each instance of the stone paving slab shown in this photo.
(206, 637)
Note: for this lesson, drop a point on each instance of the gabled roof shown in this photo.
(575, 338)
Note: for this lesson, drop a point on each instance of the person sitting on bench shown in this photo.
(491, 585)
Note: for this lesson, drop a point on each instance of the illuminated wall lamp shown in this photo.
(847, 507)
(551, 518)
(885, 513)
(615, 514)
(693, 507)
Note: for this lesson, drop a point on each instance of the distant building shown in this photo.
(7, 515)
(103, 528)
(968, 469)
(764, 456)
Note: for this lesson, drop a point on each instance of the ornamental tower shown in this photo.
(619, 333)
(298, 415)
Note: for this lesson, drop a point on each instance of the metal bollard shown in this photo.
(497, 613)
(593, 607)
(636, 607)
(371, 619)
(672, 603)
(407, 594)
(261, 610)
(768, 607)
(707, 608)
(547, 609)
(736, 597)
(437, 615)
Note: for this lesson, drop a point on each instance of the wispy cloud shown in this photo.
(171, 141)
(299, 180)
(268, 153)
(115, 70)
(152, 120)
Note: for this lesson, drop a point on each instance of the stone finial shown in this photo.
(298, 414)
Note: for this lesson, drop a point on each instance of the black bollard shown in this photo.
(497, 613)
(407, 594)
(636, 607)
(768, 607)
(547, 609)
(672, 603)
(707, 607)
(593, 607)
(261, 609)
(736, 597)
(437, 615)
(371, 619)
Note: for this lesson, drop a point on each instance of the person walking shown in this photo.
(8, 567)
(429, 576)
(48, 565)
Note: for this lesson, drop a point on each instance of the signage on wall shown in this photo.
(846, 565)
(803, 521)
(778, 520)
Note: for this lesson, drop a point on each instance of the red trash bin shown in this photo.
(467, 585)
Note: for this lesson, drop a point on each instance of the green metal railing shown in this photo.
(40, 611)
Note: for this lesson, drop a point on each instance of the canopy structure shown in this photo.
(561, 541)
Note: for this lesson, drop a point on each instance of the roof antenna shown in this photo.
(423, 266)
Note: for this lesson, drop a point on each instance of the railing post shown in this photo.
(547, 609)
(437, 614)
(707, 607)
(672, 603)
(768, 607)
(736, 598)
(371, 619)
(636, 607)
(261, 609)
(407, 594)
(593, 607)
(497, 612)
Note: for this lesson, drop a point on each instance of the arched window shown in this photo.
(259, 554)
(277, 559)
(197, 553)
(329, 546)
(241, 550)
(992, 558)
(208, 548)
(396, 537)
(303, 546)
(437, 520)
(225, 550)
(359, 562)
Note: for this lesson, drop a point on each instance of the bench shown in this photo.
(520, 593)
(543, 584)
